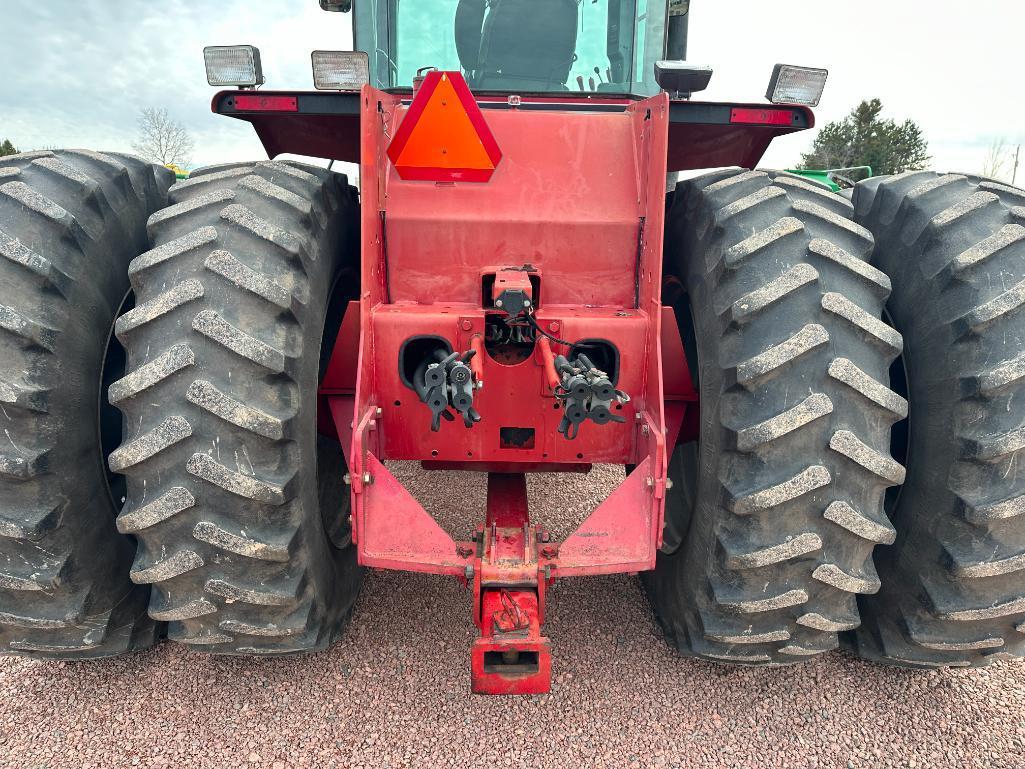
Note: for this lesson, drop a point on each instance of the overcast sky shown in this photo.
(76, 72)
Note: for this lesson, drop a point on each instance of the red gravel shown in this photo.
(395, 692)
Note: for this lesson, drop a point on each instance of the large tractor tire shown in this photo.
(954, 582)
(772, 518)
(70, 222)
(240, 508)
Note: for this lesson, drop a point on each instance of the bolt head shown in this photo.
(368, 478)
(348, 479)
(649, 482)
(669, 484)
(498, 303)
(553, 326)
(467, 325)
(379, 411)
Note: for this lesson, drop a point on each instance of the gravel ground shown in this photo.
(395, 692)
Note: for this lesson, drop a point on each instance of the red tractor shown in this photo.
(203, 384)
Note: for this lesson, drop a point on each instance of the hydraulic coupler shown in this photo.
(446, 382)
(586, 393)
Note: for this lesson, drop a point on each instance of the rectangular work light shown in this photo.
(796, 85)
(681, 77)
(237, 65)
(340, 70)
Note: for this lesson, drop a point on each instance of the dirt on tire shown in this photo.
(70, 222)
(226, 471)
(954, 581)
(784, 495)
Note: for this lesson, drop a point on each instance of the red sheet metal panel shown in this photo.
(593, 231)
(564, 199)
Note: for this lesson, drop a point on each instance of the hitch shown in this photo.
(511, 656)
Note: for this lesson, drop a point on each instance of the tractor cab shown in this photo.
(516, 46)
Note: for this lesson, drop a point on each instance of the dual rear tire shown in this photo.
(70, 222)
(791, 529)
(222, 516)
(785, 541)
(793, 459)
(953, 583)
(238, 505)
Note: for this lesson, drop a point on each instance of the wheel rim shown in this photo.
(683, 462)
(900, 434)
(109, 420)
(334, 498)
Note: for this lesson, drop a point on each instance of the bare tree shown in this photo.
(162, 139)
(996, 159)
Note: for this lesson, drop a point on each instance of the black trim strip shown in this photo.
(348, 104)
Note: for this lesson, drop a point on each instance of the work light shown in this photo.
(237, 65)
(796, 85)
(340, 70)
(681, 77)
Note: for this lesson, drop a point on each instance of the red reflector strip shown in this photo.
(257, 103)
(762, 116)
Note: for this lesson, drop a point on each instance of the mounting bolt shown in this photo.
(644, 430)
(468, 572)
(379, 411)
(649, 482)
(372, 425)
(368, 479)
(467, 325)
(526, 303)
(464, 552)
(637, 416)
(550, 551)
(669, 483)
(553, 326)
(498, 303)
(347, 479)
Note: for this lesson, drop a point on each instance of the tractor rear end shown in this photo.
(512, 290)
(471, 293)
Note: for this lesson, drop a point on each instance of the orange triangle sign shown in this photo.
(444, 136)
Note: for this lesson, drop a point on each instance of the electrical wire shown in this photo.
(538, 329)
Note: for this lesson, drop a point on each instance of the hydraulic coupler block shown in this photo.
(446, 382)
(586, 393)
